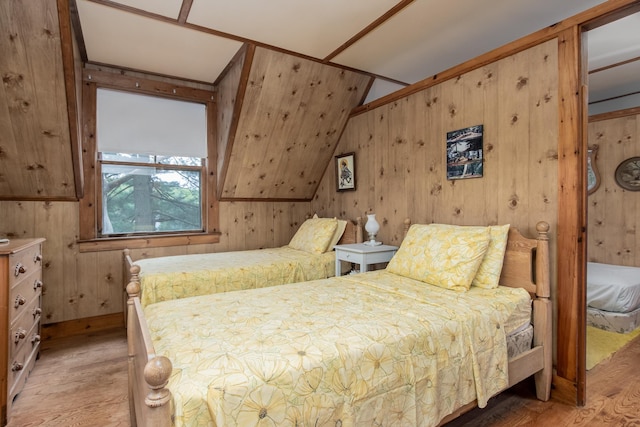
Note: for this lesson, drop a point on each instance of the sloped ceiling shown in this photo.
(614, 65)
(401, 42)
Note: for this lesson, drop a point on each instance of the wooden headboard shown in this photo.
(352, 232)
(526, 260)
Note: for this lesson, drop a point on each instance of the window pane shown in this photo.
(146, 199)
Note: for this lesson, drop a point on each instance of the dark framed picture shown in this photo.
(464, 153)
(628, 174)
(346, 172)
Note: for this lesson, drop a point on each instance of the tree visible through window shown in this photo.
(163, 195)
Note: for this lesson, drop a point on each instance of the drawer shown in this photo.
(24, 263)
(349, 256)
(23, 292)
(20, 366)
(24, 331)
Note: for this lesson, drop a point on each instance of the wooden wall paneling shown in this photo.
(35, 98)
(543, 84)
(514, 138)
(596, 202)
(432, 174)
(471, 113)
(57, 222)
(630, 148)
(108, 297)
(72, 70)
(292, 115)
(229, 98)
(17, 219)
(448, 114)
(613, 233)
(488, 89)
(75, 293)
(287, 219)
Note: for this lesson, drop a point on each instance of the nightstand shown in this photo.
(362, 254)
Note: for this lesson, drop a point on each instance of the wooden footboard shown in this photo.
(149, 399)
(526, 265)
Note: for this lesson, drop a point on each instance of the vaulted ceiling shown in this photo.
(401, 42)
(344, 53)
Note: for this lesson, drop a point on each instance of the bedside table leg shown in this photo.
(338, 268)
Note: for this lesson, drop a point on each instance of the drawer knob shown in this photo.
(19, 269)
(37, 284)
(37, 311)
(17, 366)
(35, 339)
(37, 258)
(19, 335)
(20, 300)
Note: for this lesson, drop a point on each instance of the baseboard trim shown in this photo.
(82, 326)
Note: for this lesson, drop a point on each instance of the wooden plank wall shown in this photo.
(293, 111)
(34, 126)
(400, 151)
(83, 285)
(614, 233)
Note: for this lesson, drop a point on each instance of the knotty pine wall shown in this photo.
(613, 220)
(400, 152)
(83, 285)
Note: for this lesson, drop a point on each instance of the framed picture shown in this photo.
(464, 153)
(346, 172)
(628, 174)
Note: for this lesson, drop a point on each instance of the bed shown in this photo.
(308, 256)
(613, 297)
(377, 347)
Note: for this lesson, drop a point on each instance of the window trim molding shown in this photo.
(89, 239)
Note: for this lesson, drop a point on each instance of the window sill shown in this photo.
(119, 243)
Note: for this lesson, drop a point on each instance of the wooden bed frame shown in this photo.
(352, 234)
(526, 265)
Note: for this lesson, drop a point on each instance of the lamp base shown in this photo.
(372, 243)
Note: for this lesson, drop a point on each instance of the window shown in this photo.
(150, 193)
(150, 152)
(150, 183)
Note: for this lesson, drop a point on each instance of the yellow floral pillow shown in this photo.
(488, 275)
(447, 256)
(314, 235)
(337, 235)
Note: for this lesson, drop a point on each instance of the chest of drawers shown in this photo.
(20, 311)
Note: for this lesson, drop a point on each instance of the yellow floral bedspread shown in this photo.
(173, 277)
(361, 350)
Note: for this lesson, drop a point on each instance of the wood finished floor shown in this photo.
(60, 391)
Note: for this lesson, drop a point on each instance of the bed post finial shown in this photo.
(542, 228)
(133, 287)
(156, 374)
(405, 227)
